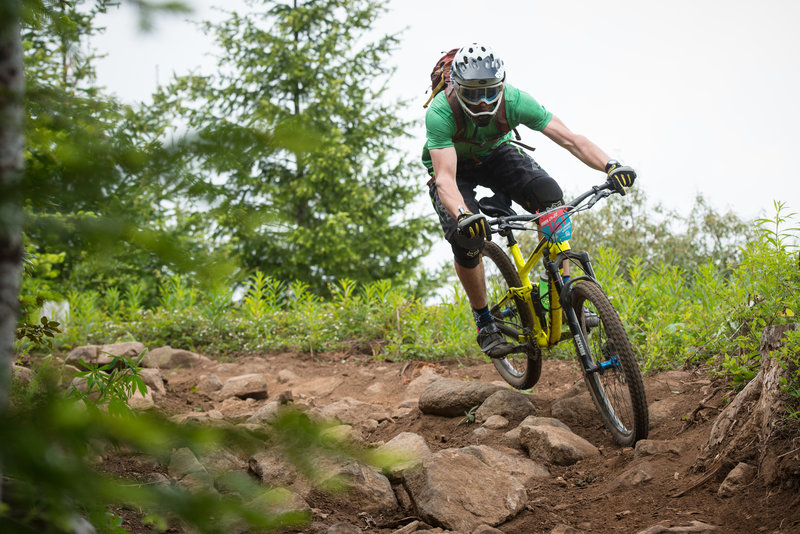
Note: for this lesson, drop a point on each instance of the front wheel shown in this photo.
(523, 367)
(615, 381)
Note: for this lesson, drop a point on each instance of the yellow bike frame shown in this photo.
(548, 335)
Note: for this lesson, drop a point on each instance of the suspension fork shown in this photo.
(563, 295)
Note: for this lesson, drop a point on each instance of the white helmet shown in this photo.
(478, 78)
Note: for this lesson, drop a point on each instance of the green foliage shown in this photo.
(715, 314)
(111, 384)
(295, 124)
(635, 228)
(51, 480)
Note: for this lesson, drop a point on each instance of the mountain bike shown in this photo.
(536, 316)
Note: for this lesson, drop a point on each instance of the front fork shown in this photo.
(561, 299)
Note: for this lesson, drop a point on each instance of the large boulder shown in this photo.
(451, 397)
(458, 491)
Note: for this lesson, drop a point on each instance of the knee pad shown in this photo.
(541, 194)
(468, 257)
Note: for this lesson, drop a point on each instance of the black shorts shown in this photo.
(509, 170)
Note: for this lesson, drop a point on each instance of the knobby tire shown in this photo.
(520, 369)
(617, 391)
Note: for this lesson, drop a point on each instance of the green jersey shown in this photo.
(440, 125)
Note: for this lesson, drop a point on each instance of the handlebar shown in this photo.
(596, 193)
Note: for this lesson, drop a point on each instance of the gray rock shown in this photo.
(253, 386)
(738, 479)
(695, 527)
(507, 403)
(272, 469)
(154, 381)
(458, 491)
(574, 409)
(650, 447)
(407, 450)
(343, 528)
(168, 358)
(635, 475)
(451, 397)
(209, 384)
(368, 487)
(495, 422)
(21, 374)
(513, 463)
(266, 414)
(555, 445)
(351, 411)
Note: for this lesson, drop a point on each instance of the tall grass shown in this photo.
(713, 316)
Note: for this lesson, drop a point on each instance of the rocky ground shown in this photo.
(489, 459)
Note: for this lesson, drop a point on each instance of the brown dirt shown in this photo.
(582, 496)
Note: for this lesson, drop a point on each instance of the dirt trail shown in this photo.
(589, 496)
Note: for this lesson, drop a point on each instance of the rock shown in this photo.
(252, 386)
(183, 462)
(339, 434)
(486, 529)
(266, 414)
(458, 491)
(507, 403)
(739, 478)
(513, 434)
(513, 463)
(221, 461)
(154, 380)
(272, 469)
(415, 388)
(105, 354)
(286, 376)
(351, 411)
(695, 527)
(366, 486)
(343, 528)
(495, 422)
(406, 450)
(574, 409)
(321, 387)
(555, 445)
(21, 374)
(451, 397)
(565, 529)
(279, 501)
(649, 447)
(209, 384)
(140, 402)
(633, 476)
(168, 358)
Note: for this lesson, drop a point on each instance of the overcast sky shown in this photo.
(700, 96)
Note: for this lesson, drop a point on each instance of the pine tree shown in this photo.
(296, 125)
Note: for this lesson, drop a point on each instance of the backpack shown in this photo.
(442, 81)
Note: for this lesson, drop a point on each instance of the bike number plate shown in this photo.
(556, 226)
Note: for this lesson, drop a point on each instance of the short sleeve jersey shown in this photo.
(440, 125)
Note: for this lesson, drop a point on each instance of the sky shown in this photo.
(699, 96)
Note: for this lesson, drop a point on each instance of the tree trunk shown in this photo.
(750, 429)
(11, 162)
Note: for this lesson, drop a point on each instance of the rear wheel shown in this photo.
(616, 383)
(521, 368)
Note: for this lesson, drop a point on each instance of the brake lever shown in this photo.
(599, 195)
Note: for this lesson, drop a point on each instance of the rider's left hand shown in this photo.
(620, 176)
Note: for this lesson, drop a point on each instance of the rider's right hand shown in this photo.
(473, 225)
(620, 176)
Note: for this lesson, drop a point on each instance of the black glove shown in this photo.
(620, 176)
(473, 225)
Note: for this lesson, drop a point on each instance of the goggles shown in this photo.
(476, 95)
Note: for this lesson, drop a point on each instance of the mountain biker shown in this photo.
(481, 154)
